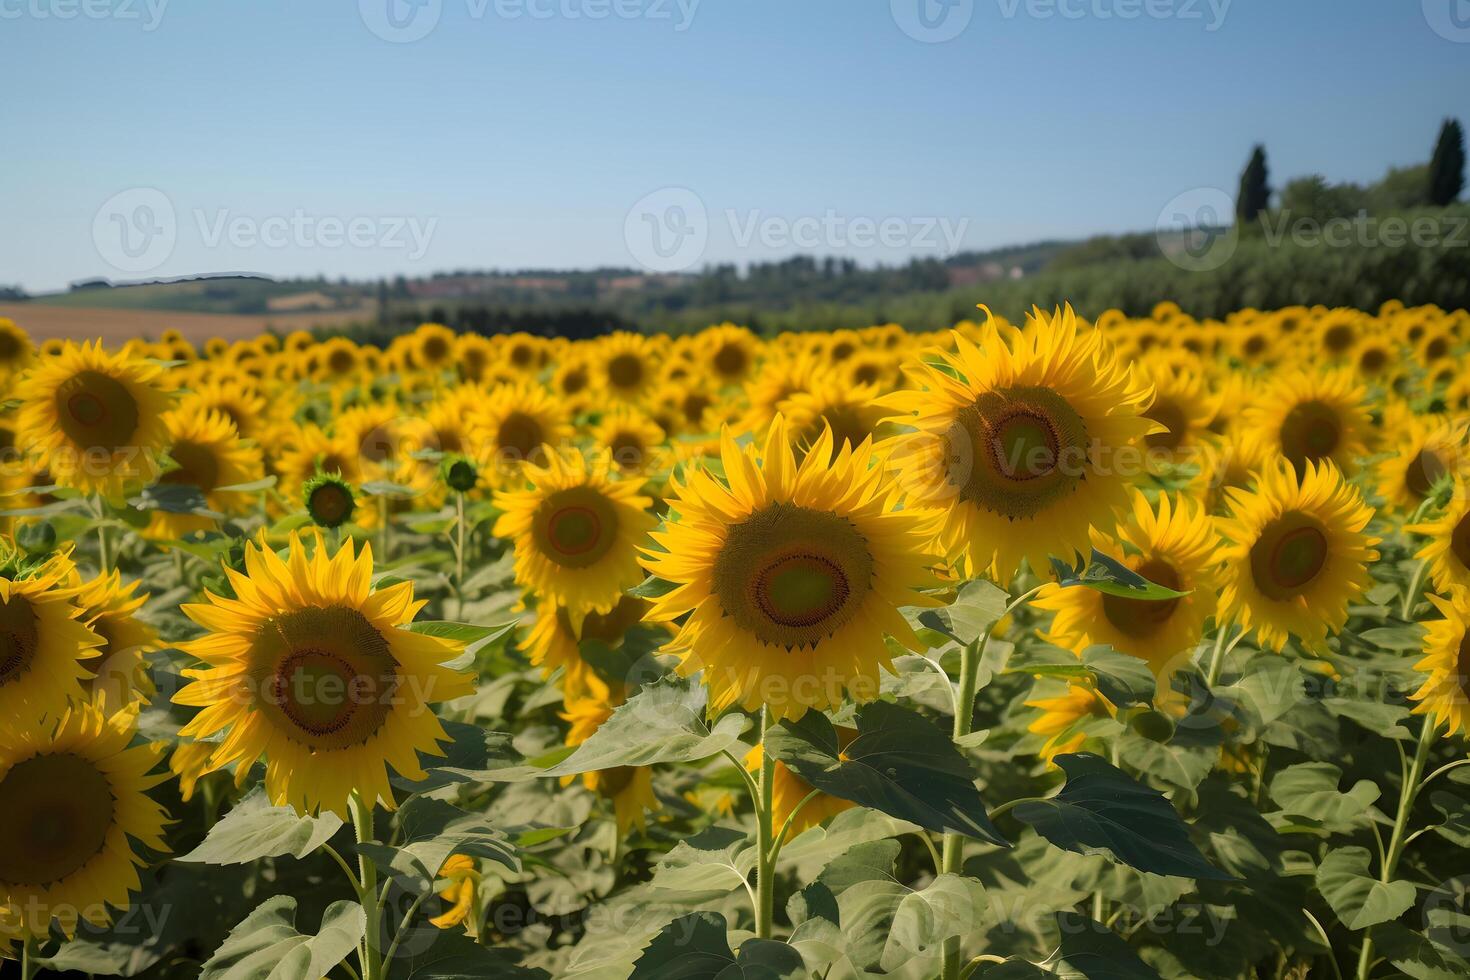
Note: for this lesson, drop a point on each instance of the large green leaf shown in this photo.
(717, 857)
(1109, 576)
(472, 636)
(473, 755)
(266, 946)
(1456, 813)
(1308, 793)
(899, 763)
(253, 829)
(1359, 899)
(1122, 679)
(1086, 949)
(664, 722)
(1101, 810)
(977, 607)
(697, 947)
(432, 830)
(454, 956)
(1417, 956)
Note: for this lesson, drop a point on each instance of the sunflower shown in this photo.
(728, 353)
(375, 434)
(1427, 453)
(1297, 554)
(780, 378)
(1175, 547)
(461, 873)
(118, 674)
(554, 642)
(1028, 444)
(625, 365)
(210, 456)
(473, 356)
(312, 669)
(1448, 546)
(512, 425)
(851, 411)
(74, 796)
(1312, 417)
(576, 531)
(788, 790)
(307, 451)
(434, 346)
(1445, 694)
(335, 360)
(16, 349)
(631, 437)
(44, 645)
(1061, 718)
(630, 788)
(787, 578)
(94, 419)
(1182, 406)
(239, 402)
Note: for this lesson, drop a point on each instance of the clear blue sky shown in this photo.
(523, 141)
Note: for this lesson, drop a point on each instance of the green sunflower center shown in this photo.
(1140, 618)
(327, 677)
(58, 810)
(1311, 431)
(198, 466)
(575, 527)
(96, 411)
(625, 371)
(19, 638)
(792, 576)
(1289, 554)
(330, 504)
(1017, 451)
(519, 434)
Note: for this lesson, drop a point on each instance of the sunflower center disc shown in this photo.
(1017, 451)
(1424, 472)
(520, 435)
(328, 675)
(625, 371)
(58, 810)
(1460, 541)
(198, 466)
(1311, 431)
(576, 527)
(95, 411)
(627, 450)
(1170, 415)
(792, 576)
(1288, 556)
(1142, 617)
(9, 345)
(330, 504)
(18, 639)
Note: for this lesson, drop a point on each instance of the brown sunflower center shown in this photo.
(521, 355)
(1289, 554)
(1461, 679)
(792, 576)
(1338, 338)
(340, 361)
(731, 360)
(1310, 431)
(326, 675)
(198, 466)
(1141, 618)
(96, 411)
(435, 349)
(627, 450)
(625, 371)
(693, 405)
(573, 381)
(609, 627)
(1373, 360)
(19, 638)
(1017, 451)
(611, 782)
(58, 810)
(575, 527)
(520, 434)
(1425, 470)
(377, 444)
(10, 347)
(1436, 348)
(1460, 541)
(1170, 415)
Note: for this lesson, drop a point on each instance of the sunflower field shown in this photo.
(1113, 648)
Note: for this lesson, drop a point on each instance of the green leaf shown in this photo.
(1093, 950)
(432, 830)
(386, 488)
(1123, 679)
(455, 956)
(266, 946)
(253, 829)
(254, 486)
(472, 636)
(717, 857)
(1456, 813)
(174, 498)
(1417, 956)
(653, 587)
(473, 755)
(1111, 577)
(814, 847)
(1101, 810)
(697, 947)
(664, 722)
(1358, 899)
(979, 605)
(1308, 792)
(899, 763)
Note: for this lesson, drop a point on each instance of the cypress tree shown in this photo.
(1447, 167)
(1255, 192)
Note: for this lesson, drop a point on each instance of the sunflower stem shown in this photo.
(1221, 652)
(1412, 592)
(104, 553)
(1408, 793)
(765, 869)
(28, 964)
(367, 876)
(964, 717)
(459, 556)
